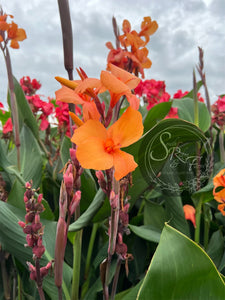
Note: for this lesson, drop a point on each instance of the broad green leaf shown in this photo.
(87, 216)
(130, 294)
(30, 157)
(215, 248)
(25, 113)
(154, 214)
(157, 146)
(175, 213)
(65, 150)
(180, 269)
(156, 114)
(186, 112)
(147, 232)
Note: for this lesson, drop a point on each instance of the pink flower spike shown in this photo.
(189, 213)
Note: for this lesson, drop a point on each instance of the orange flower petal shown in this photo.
(126, 26)
(219, 179)
(21, 34)
(113, 84)
(72, 84)
(129, 79)
(14, 44)
(92, 155)
(68, 95)
(128, 129)
(88, 83)
(123, 163)
(219, 196)
(76, 120)
(189, 213)
(221, 208)
(90, 111)
(134, 101)
(91, 128)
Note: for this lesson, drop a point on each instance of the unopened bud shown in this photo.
(39, 199)
(113, 200)
(73, 155)
(75, 202)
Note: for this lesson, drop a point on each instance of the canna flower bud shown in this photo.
(75, 202)
(68, 179)
(73, 155)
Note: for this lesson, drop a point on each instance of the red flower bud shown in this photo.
(38, 251)
(22, 224)
(75, 202)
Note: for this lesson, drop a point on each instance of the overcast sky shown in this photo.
(173, 49)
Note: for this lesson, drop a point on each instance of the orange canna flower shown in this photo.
(3, 24)
(68, 95)
(148, 27)
(99, 148)
(120, 82)
(189, 213)
(16, 35)
(219, 190)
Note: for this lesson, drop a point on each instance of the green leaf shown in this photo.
(186, 112)
(65, 149)
(154, 214)
(155, 114)
(147, 232)
(157, 146)
(130, 294)
(190, 94)
(215, 248)
(87, 216)
(180, 269)
(25, 113)
(4, 116)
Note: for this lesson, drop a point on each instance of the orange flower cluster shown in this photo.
(136, 59)
(10, 32)
(98, 147)
(219, 190)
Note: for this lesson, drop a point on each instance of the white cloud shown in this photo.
(183, 26)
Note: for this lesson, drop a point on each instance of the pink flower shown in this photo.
(8, 127)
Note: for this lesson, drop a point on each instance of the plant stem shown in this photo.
(88, 259)
(76, 264)
(198, 220)
(116, 278)
(113, 231)
(39, 280)
(221, 143)
(13, 104)
(206, 226)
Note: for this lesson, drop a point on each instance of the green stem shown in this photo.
(221, 143)
(19, 287)
(88, 259)
(13, 104)
(198, 220)
(76, 264)
(196, 112)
